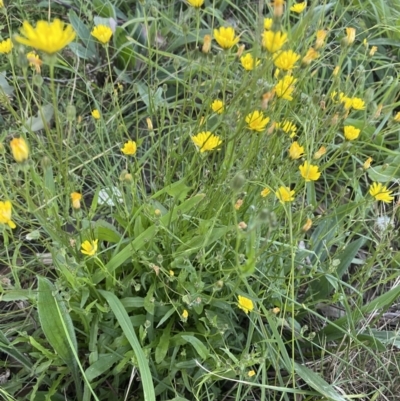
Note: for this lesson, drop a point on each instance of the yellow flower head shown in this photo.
(351, 132)
(76, 200)
(278, 7)
(196, 3)
(285, 87)
(309, 172)
(19, 149)
(96, 114)
(225, 37)
(273, 41)
(6, 46)
(245, 304)
(367, 163)
(129, 148)
(251, 373)
(206, 141)
(357, 103)
(299, 7)
(268, 23)
(248, 62)
(286, 60)
(350, 36)
(89, 247)
(319, 153)
(296, 151)
(256, 121)
(310, 56)
(321, 35)
(185, 314)
(284, 194)
(265, 192)
(217, 106)
(49, 37)
(102, 33)
(5, 214)
(34, 61)
(380, 192)
(288, 127)
(206, 44)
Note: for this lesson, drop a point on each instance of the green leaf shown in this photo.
(200, 348)
(56, 324)
(163, 344)
(101, 366)
(125, 323)
(88, 50)
(125, 53)
(10, 349)
(45, 114)
(107, 232)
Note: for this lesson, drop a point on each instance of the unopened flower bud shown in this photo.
(237, 182)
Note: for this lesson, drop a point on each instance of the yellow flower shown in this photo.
(256, 121)
(102, 33)
(350, 36)
(286, 60)
(251, 373)
(320, 152)
(380, 192)
(245, 304)
(357, 103)
(96, 114)
(273, 41)
(285, 87)
(129, 148)
(351, 132)
(49, 37)
(6, 46)
(268, 23)
(276, 310)
(89, 247)
(321, 35)
(171, 273)
(296, 151)
(196, 3)
(206, 44)
(299, 7)
(217, 106)
(265, 192)
(284, 194)
(5, 214)
(225, 37)
(397, 117)
(311, 55)
(309, 172)
(76, 200)
(367, 163)
(278, 8)
(19, 149)
(34, 61)
(206, 141)
(185, 314)
(248, 62)
(288, 127)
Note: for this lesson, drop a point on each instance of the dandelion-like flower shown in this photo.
(34, 61)
(309, 172)
(273, 41)
(248, 62)
(268, 23)
(285, 87)
(19, 149)
(129, 148)
(350, 36)
(310, 56)
(245, 304)
(299, 7)
(6, 46)
(217, 106)
(319, 41)
(256, 121)
(296, 151)
(5, 214)
(351, 132)
(319, 153)
(89, 247)
(76, 200)
(286, 60)
(288, 127)
(284, 194)
(206, 141)
(102, 33)
(96, 114)
(50, 37)
(265, 192)
(251, 373)
(185, 315)
(225, 37)
(380, 192)
(196, 3)
(357, 103)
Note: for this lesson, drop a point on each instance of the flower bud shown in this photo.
(19, 149)
(237, 182)
(76, 200)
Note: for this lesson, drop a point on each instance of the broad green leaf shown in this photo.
(4, 85)
(107, 232)
(42, 120)
(88, 50)
(199, 346)
(163, 344)
(101, 366)
(124, 49)
(123, 319)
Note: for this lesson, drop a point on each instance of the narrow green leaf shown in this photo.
(125, 323)
(163, 345)
(200, 348)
